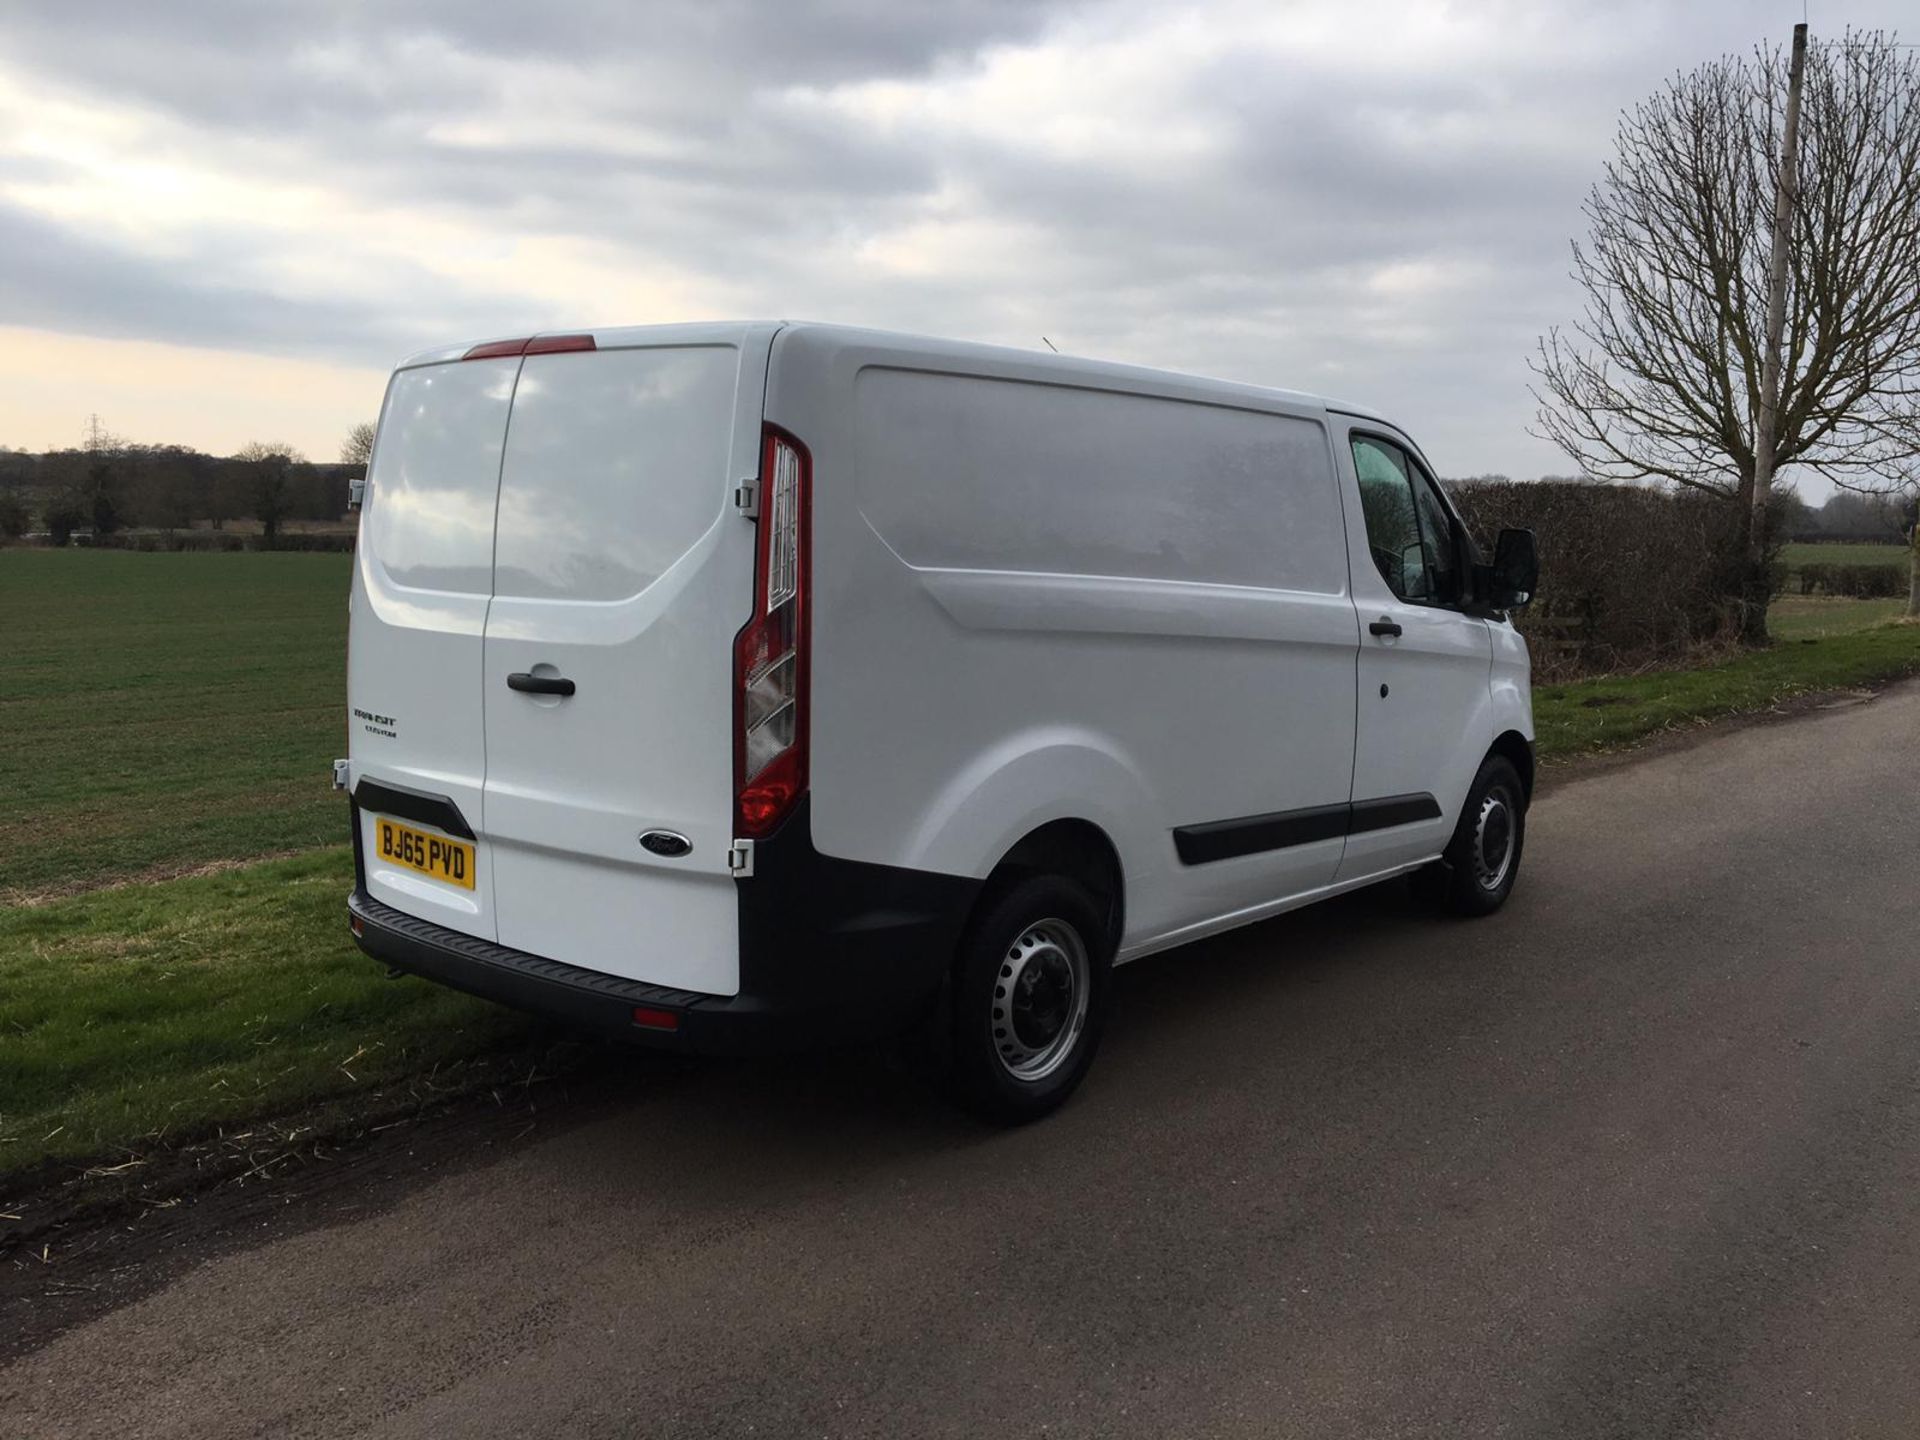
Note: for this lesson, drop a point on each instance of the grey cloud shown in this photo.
(235, 62)
(57, 279)
(1250, 260)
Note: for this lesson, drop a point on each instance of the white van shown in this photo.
(729, 686)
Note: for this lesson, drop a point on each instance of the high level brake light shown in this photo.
(770, 654)
(538, 345)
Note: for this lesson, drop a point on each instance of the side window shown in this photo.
(1409, 530)
(1393, 526)
(1436, 537)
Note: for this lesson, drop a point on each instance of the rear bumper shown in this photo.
(831, 951)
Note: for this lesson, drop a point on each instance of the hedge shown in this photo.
(1860, 582)
(1629, 576)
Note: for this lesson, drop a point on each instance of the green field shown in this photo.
(160, 712)
(1806, 552)
(166, 710)
(1804, 617)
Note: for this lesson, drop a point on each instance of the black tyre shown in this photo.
(1482, 861)
(1029, 999)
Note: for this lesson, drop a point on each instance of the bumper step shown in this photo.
(531, 982)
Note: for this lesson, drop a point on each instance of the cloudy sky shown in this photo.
(226, 221)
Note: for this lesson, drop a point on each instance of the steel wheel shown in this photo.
(1493, 838)
(1482, 861)
(1039, 1001)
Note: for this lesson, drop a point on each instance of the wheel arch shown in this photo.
(1077, 849)
(1518, 751)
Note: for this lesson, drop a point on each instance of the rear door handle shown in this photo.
(539, 684)
(1384, 626)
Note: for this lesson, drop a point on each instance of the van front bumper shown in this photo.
(831, 952)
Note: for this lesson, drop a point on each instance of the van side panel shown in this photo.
(1038, 598)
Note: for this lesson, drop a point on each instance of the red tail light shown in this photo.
(770, 654)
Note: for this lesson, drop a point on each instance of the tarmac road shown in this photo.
(1638, 1157)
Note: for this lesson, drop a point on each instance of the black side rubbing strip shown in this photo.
(1252, 834)
(411, 804)
(1391, 810)
(1225, 839)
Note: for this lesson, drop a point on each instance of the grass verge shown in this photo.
(1802, 617)
(134, 1017)
(1614, 710)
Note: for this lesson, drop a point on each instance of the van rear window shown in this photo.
(616, 464)
(436, 468)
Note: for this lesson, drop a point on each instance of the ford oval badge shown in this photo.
(666, 842)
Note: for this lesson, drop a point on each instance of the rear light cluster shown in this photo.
(770, 654)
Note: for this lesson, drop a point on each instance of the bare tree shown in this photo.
(268, 469)
(357, 448)
(1662, 376)
(1913, 567)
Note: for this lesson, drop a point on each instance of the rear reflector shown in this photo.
(647, 1018)
(356, 925)
(538, 345)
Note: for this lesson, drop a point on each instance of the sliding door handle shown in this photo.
(1384, 626)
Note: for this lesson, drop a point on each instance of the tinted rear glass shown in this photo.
(436, 469)
(616, 464)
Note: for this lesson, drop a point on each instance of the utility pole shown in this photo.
(1785, 198)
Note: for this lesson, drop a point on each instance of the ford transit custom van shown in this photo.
(728, 687)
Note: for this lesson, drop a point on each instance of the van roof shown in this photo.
(904, 345)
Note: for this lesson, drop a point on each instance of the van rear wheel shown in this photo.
(1029, 999)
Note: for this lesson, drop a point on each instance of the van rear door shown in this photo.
(423, 572)
(622, 572)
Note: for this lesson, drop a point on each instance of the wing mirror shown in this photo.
(1515, 572)
(1413, 571)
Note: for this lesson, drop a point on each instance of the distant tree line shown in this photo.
(1883, 517)
(1871, 518)
(109, 486)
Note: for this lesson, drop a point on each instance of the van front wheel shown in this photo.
(1029, 999)
(1476, 874)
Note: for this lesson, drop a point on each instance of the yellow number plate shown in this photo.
(436, 855)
